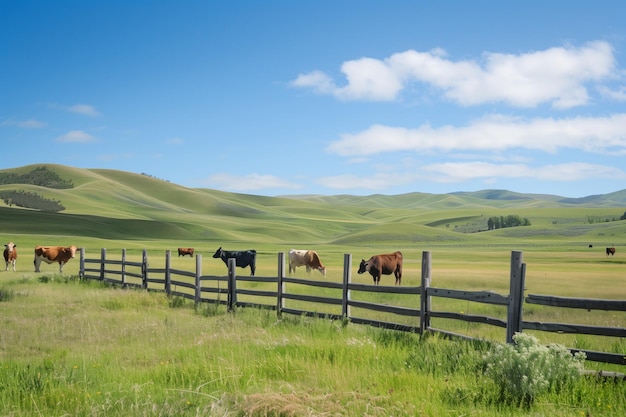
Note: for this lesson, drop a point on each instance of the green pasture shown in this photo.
(81, 348)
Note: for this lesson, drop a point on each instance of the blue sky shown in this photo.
(321, 97)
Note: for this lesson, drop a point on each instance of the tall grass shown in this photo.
(70, 347)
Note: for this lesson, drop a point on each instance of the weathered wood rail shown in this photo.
(227, 290)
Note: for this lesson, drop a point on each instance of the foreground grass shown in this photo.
(75, 348)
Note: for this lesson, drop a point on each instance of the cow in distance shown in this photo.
(610, 251)
(51, 254)
(308, 258)
(385, 264)
(10, 255)
(185, 251)
(243, 258)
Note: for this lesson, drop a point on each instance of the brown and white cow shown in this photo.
(185, 251)
(51, 254)
(10, 255)
(308, 258)
(386, 264)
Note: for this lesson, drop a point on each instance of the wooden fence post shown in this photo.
(103, 256)
(516, 296)
(425, 298)
(81, 268)
(198, 296)
(232, 284)
(124, 268)
(347, 278)
(168, 276)
(280, 301)
(144, 269)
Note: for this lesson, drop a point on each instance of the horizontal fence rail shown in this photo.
(346, 303)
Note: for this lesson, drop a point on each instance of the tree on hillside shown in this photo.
(40, 176)
(512, 220)
(26, 199)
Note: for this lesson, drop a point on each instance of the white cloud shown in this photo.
(25, 124)
(557, 76)
(573, 171)
(459, 172)
(175, 141)
(493, 133)
(378, 181)
(618, 94)
(83, 109)
(250, 182)
(317, 80)
(76, 136)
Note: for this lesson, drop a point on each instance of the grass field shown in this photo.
(74, 348)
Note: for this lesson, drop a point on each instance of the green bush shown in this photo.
(525, 370)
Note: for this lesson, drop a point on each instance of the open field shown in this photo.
(80, 348)
(112, 352)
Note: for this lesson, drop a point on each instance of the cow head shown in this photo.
(72, 250)
(363, 267)
(9, 246)
(218, 253)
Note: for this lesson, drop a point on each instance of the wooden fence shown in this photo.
(224, 290)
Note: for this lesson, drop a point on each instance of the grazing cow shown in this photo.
(308, 258)
(185, 251)
(610, 251)
(243, 258)
(10, 254)
(51, 254)
(387, 264)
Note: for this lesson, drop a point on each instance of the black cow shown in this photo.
(243, 258)
(610, 251)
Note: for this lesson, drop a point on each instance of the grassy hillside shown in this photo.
(109, 204)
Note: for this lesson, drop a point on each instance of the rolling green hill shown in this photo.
(118, 205)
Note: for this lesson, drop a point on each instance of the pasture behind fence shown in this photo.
(280, 291)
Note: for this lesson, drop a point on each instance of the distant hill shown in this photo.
(111, 204)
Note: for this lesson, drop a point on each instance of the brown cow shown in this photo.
(386, 264)
(610, 251)
(185, 251)
(10, 254)
(51, 254)
(308, 258)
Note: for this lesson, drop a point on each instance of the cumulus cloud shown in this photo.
(250, 182)
(558, 76)
(492, 133)
(76, 136)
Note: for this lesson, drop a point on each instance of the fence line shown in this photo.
(224, 290)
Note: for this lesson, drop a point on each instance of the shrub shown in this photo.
(6, 294)
(525, 370)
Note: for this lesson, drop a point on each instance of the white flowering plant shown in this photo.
(526, 369)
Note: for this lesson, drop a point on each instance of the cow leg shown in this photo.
(36, 264)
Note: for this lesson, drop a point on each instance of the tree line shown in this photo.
(512, 220)
(27, 199)
(40, 176)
